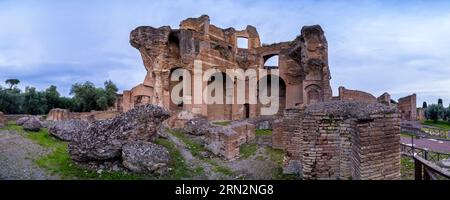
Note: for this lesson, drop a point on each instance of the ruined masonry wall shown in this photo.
(342, 140)
(376, 151)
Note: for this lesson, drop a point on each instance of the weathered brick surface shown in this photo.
(58, 114)
(346, 140)
(63, 114)
(223, 141)
(226, 140)
(303, 68)
(408, 107)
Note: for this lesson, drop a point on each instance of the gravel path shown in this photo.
(16, 158)
(432, 144)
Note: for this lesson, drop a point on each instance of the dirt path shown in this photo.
(427, 143)
(194, 162)
(16, 158)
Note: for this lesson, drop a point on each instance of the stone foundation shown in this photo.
(246, 131)
(226, 140)
(58, 115)
(223, 141)
(63, 114)
(344, 140)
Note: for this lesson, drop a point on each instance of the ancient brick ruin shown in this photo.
(303, 66)
(343, 140)
(354, 135)
(407, 106)
(58, 114)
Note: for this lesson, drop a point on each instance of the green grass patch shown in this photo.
(219, 168)
(275, 155)
(198, 171)
(260, 158)
(194, 147)
(439, 124)
(278, 175)
(180, 170)
(407, 168)
(222, 123)
(408, 135)
(58, 161)
(248, 150)
(263, 132)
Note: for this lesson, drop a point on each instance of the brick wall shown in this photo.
(355, 95)
(346, 140)
(408, 107)
(226, 140)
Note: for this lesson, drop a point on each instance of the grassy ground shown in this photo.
(408, 135)
(222, 123)
(407, 168)
(180, 170)
(263, 132)
(247, 150)
(58, 162)
(195, 148)
(439, 124)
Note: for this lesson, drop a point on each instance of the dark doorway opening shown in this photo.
(247, 111)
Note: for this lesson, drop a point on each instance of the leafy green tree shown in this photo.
(12, 83)
(424, 105)
(111, 92)
(65, 103)
(440, 102)
(11, 101)
(84, 99)
(435, 112)
(34, 102)
(87, 97)
(53, 97)
(447, 114)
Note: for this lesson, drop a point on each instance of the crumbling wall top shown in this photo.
(349, 109)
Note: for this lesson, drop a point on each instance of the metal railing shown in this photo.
(427, 131)
(426, 154)
(426, 170)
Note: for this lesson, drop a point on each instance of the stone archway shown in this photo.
(268, 87)
(221, 110)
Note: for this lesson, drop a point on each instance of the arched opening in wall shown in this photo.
(178, 105)
(271, 61)
(246, 111)
(219, 110)
(266, 90)
(174, 45)
(242, 43)
(313, 94)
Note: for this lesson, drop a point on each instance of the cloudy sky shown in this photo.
(401, 47)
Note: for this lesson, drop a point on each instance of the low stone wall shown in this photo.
(58, 115)
(344, 140)
(223, 141)
(226, 140)
(355, 95)
(2, 120)
(246, 131)
(15, 117)
(63, 114)
(284, 130)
